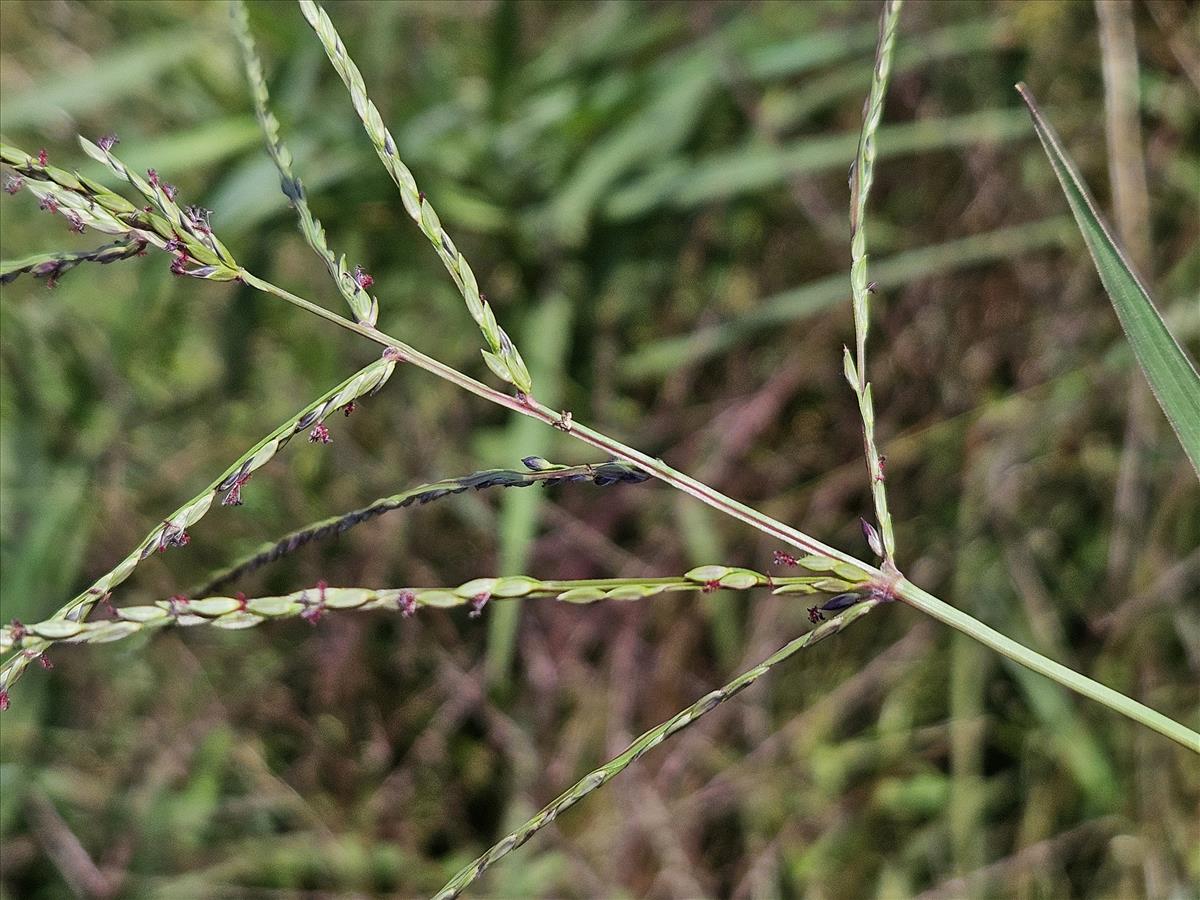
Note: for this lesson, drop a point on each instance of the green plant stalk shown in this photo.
(930, 605)
(502, 358)
(240, 612)
(545, 473)
(645, 743)
(862, 176)
(364, 306)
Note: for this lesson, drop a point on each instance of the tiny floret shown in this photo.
(785, 559)
(314, 611)
(234, 497)
(107, 142)
(199, 217)
(13, 183)
(172, 536)
(362, 279)
(478, 602)
(42, 158)
(319, 434)
(177, 602)
(75, 223)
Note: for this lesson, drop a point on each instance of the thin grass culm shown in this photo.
(841, 588)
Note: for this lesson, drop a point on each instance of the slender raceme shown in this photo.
(862, 176)
(240, 612)
(353, 285)
(645, 743)
(600, 474)
(52, 266)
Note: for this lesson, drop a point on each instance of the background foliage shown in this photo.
(624, 178)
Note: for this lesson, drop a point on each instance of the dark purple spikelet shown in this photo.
(407, 603)
(107, 142)
(169, 190)
(362, 279)
(48, 204)
(45, 662)
(815, 615)
(784, 559)
(42, 158)
(319, 434)
(152, 177)
(348, 409)
(75, 223)
(13, 183)
(179, 264)
(841, 601)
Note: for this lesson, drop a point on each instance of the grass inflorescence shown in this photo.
(159, 220)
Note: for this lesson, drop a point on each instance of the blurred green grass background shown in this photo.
(654, 198)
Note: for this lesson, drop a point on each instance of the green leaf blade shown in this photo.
(1170, 372)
